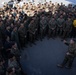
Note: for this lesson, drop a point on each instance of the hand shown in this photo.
(13, 69)
(52, 28)
(19, 69)
(68, 53)
(8, 49)
(33, 32)
(43, 27)
(64, 41)
(25, 36)
(2, 47)
(36, 29)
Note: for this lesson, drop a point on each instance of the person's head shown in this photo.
(22, 25)
(72, 41)
(1, 61)
(61, 16)
(15, 29)
(11, 57)
(1, 23)
(11, 71)
(8, 28)
(69, 19)
(14, 45)
(12, 25)
(7, 38)
(53, 18)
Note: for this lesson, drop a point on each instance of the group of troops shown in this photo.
(24, 25)
(31, 22)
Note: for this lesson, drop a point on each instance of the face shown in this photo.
(1, 63)
(7, 38)
(22, 25)
(8, 28)
(15, 29)
(11, 73)
(14, 46)
(12, 25)
(1, 23)
(71, 42)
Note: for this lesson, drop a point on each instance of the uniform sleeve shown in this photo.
(67, 43)
(12, 36)
(75, 51)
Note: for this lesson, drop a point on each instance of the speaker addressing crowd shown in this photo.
(22, 26)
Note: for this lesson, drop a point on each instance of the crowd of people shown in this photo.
(24, 25)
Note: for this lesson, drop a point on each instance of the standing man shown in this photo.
(32, 32)
(15, 37)
(74, 29)
(43, 27)
(52, 27)
(60, 23)
(70, 55)
(67, 28)
(22, 35)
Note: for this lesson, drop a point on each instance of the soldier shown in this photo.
(70, 55)
(2, 33)
(67, 28)
(32, 31)
(14, 50)
(60, 24)
(12, 62)
(43, 26)
(22, 35)
(10, 71)
(1, 36)
(36, 21)
(52, 27)
(2, 67)
(7, 31)
(74, 29)
(15, 36)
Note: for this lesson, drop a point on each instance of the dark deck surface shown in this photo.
(42, 58)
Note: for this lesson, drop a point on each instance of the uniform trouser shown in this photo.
(18, 43)
(22, 41)
(51, 32)
(42, 33)
(68, 60)
(36, 34)
(59, 30)
(31, 37)
(73, 34)
(66, 33)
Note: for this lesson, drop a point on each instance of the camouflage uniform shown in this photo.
(60, 24)
(15, 37)
(43, 26)
(32, 31)
(36, 25)
(52, 27)
(67, 28)
(70, 55)
(22, 35)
